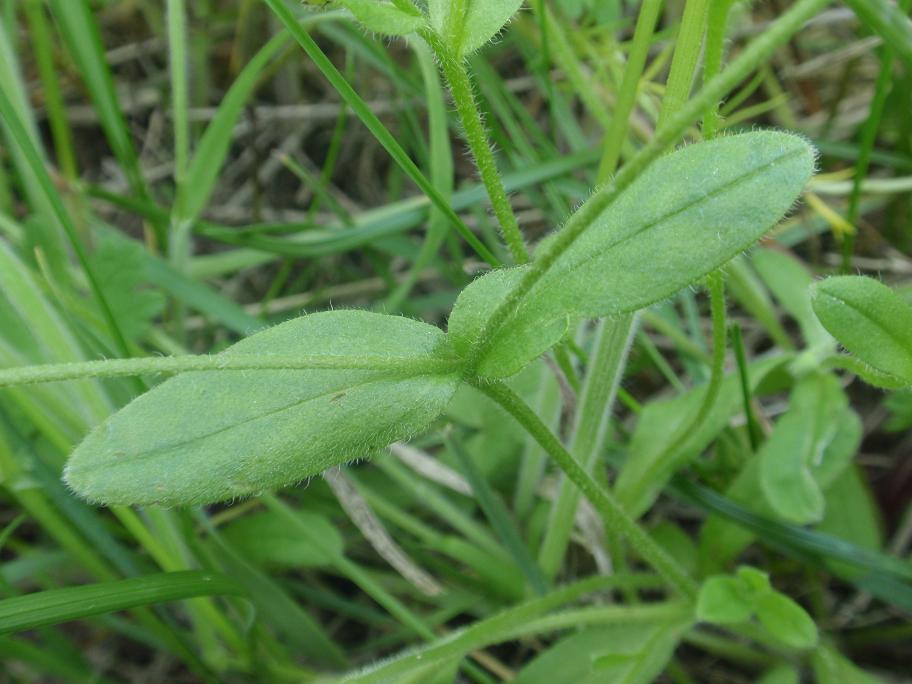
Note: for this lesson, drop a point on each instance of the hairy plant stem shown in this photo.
(615, 518)
(593, 416)
(665, 461)
(755, 53)
(460, 84)
(606, 366)
(500, 627)
(112, 368)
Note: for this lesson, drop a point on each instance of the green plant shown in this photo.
(520, 368)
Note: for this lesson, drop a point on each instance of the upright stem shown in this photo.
(606, 368)
(666, 460)
(454, 70)
(615, 518)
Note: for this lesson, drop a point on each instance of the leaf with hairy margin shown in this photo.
(868, 319)
(684, 217)
(210, 436)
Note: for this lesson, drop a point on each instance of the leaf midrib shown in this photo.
(743, 178)
(901, 343)
(159, 451)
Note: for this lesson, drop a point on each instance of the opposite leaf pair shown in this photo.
(731, 600)
(215, 435)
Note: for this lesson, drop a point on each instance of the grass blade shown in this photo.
(376, 127)
(54, 606)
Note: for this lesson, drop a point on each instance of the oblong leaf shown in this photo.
(216, 435)
(869, 320)
(787, 621)
(797, 447)
(685, 216)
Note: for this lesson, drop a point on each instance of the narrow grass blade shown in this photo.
(375, 126)
(888, 578)
(888, 21)
(54, 606)
(33, 157)
(496, 512)
(79, 30)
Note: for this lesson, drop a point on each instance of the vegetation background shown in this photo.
(188, 161)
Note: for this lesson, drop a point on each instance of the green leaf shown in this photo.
(214, 435)
(852, 514)
(755, 581)
(731, 600)
(786, 621)
(629, 654)
(120, 266)
(384, 17)
(723, 600)
(789, 280)
(686, 215)
(831, 667)
(466, 25)
(653, 458)
(798, 445)
(869, 320)
(61, 605)
(264, 539)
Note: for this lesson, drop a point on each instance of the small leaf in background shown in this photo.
(215, 435)
(798, 445)
(643, 475)
(831, 667)
(686, 215)
(384, 17)
(632, 654)
(869, 320)
(264, 538)
(899, 404)
(852, 514)
(466, 25)
(724, 600)
(755, 581)
(120, 269)
(789, 279)
(786, 621)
